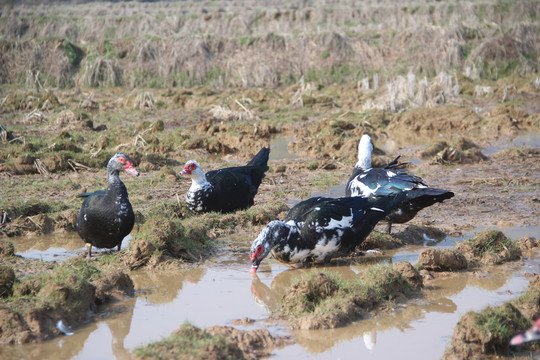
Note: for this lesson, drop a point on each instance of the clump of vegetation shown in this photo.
(31, 207)
(489, 247)
(67, 293)
(489, 331)
(101, 72)
(322, 300)
(164, 233)
(7, 278)
(459, 150)
(190, 342)
(216, 342)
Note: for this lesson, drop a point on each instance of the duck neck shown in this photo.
(198, 179)
(115, 184)
(364, 158)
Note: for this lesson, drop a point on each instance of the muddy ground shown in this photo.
(50, 156)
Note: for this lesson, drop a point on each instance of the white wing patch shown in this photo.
(299, 256)
(376, 209)
(325, 248)
(358, 188)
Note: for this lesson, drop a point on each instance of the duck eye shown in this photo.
(259, 250)
(192, 167)
(121, 160)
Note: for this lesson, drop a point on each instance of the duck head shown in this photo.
(273, 233)
(193, 169)
(365, 148)
(121, 162)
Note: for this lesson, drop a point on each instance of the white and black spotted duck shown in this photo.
(228, 189)
(106, 216)
(367, 181)
(319, 229)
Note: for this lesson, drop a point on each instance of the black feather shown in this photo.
(232, 188)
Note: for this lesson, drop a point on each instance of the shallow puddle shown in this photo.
(523, 140)
(55, 246)
(279, 148)
(223, 290)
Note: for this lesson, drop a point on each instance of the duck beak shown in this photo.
(185, 172)
(130, 169)
(255, 265)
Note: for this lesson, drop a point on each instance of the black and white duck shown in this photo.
(533, 334)
(391, 179)
(319, 229)
(228, 189)
(106, 216)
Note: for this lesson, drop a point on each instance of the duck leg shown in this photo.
(89, 250)
(389, 227)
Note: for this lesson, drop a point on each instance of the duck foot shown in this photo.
(89, 250)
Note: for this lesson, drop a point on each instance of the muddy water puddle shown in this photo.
(222, 290)
(279, 148)
(56, 246)
(523, 140)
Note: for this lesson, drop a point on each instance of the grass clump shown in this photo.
(24, 208)
(489, 331)
(322, 300)
(190, 342)
(66, 292)
(489, 247)
(165, 233)
(101, 72)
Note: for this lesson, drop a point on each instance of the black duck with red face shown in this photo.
(106, 216)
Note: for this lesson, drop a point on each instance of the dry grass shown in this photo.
(35, 117)
(222, 113)
(406, 91)
(481, 91)
(250, 44)
(101, 72)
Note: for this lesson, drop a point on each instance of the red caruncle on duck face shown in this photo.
(128, 166)
(189, 168)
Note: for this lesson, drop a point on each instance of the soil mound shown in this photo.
(457, 151)
(217, 342)
(254, 344)
(68, 294)
(380, 240)
(420, 235)
(489, 247)
(321, 301)
(489, 331)
(442, 260)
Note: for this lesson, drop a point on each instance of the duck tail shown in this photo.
(261, 159)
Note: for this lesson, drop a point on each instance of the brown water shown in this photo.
(56, 246)
(223, 290)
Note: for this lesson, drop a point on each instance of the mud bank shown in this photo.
(217, 342)
(40, 300)
(480, 334)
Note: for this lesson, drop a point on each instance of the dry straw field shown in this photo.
(266, 43)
